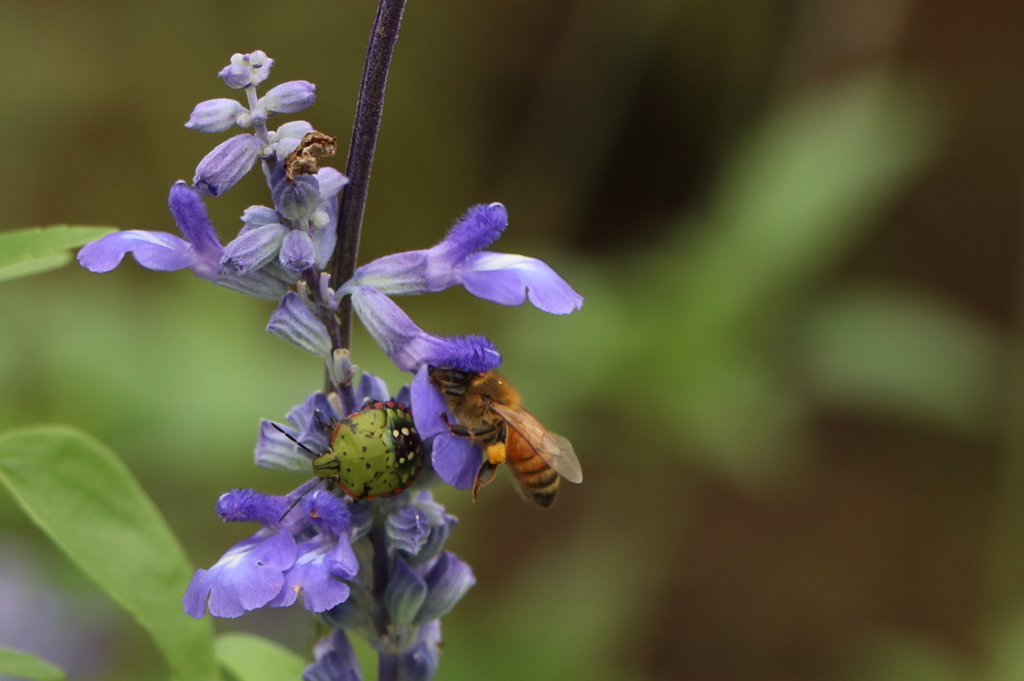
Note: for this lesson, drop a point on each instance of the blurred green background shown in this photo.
(796, 386)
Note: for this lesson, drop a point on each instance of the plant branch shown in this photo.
(369, 108)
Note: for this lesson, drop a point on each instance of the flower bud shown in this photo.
(297, 251)
(292, 321)
(405, 593)
(254, 249)
(226, 164)
(214, 115)
(290, 97)
(447, 582)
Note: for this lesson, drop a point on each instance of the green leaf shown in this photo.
(24, 666)
(887, 350)
(86, 500)
(39, 249)
(253, 658)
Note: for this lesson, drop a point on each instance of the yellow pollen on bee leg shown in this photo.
(496, 453)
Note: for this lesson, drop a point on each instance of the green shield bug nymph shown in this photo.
(375, 452)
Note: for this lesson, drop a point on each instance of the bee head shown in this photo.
(450, 381)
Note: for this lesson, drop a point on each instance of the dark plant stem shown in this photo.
(360, 152)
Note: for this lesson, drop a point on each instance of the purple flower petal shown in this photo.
(235, 76)
(331, 182)
(277, 452)
(420, 662)
(247, 577)
(298, 198)
(325, 231)
(408, 528)
(329, 513)
(508, 279)
(311, 575)
(408, 346)
(257, 284)
(290, 97)
(254, 248)
(405, 593)
(297, 252)
(223, 167)
(189, 212)
(257, 216)
(153, 250)
(401, 274)
(447, 582)
(427, 405)
(292, 321)
(214, 115)
(343, 561)
(372, 388)
(250, 506)
(335, 660)
(456, 460)
(476, 230)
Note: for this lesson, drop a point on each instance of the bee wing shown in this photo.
(556, 451)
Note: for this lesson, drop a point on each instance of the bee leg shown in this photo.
(463, 431)
(484, 476)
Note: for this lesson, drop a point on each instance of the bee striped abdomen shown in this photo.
(538, 480)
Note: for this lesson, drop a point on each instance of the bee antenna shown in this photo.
(299, 498)
(287, 435)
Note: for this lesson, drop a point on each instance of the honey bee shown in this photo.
(303, 160)
(490, 413)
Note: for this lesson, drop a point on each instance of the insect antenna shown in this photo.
(299, 498)
(282, 431)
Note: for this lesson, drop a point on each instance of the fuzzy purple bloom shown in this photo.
(409, 346)
(200, 250)
(459, 259)
(250, 506)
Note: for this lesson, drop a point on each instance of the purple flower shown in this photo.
(323, 560)
(409, 346)
(459, 258)
(247, 577)
(200, 250)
